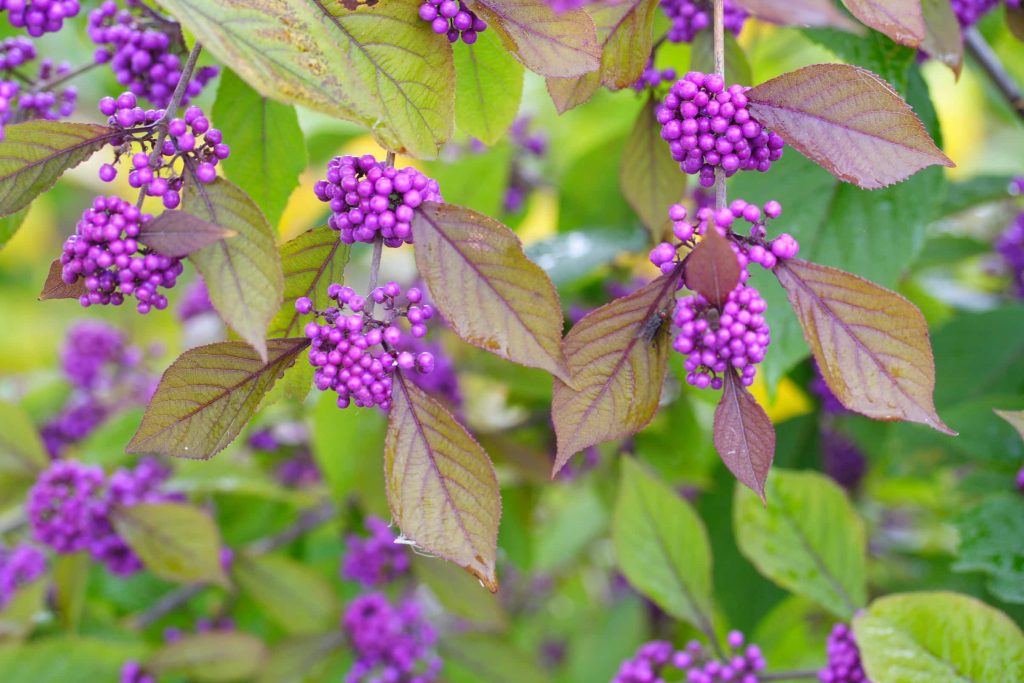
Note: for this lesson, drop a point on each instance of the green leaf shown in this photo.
(938, 638)
(377, 66)
(34, 154)
(489, 85)
(901, 20)
(942, 39)
(63, 660)
(22, 455)
(490, 294)
(575, 518)
(662, 547)
(966, 194)
(175, 541)
(547, 42)
(293, 595)
(990, 536)
(624, 32)
(808, 539)
(268, 134)
(243, 273)
(482, 657)
(871, 50)
(178, 234)
(568, 93)
(208, 395)
(569, 256)
(311, 263)
(442, 487)
(9, 226)
(1015, 418)
(24, 609)
(340, 440)
(651, 180)
(291, 660)
(210, 657)
(978, 354)
(702, 57)
(793, 635)
(618, 357)
(459, 595)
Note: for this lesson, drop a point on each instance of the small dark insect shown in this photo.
(652, 326)
(356, 4)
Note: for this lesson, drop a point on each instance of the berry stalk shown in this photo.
(985, 56)
(378, 250)
(721, 195)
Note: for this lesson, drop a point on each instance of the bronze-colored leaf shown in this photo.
(56, 288)
(178, 234)
(744, 435)
(712, 269)
(800, 13)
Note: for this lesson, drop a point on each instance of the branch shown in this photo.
(983, 53)
(63, 78)
(378, 251)
(721, 194)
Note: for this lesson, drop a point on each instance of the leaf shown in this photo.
(210, 657)
(70, 588)
(34, 154)
(799, 12)
(63, 660)
(569, 256)
(873, 51)
(339, 437)
(938, 638)
(702, 58)
(208, 395)
(293, 595)
(491, 658)
(56, 288)
(849, 121)
(22, 455)
(569, 93)
(712, 269)
(744, 435)
(311, 263)
(291, 660)
(378, 67)
(871, 344)
(809, 539)
(663, 547)
(942, 40)
(269, 134)
(1015, 418)
(901, 20)
(548, 43)
(9, 226)
(176, 542)
(441, 485)
(651, 180)
(178, 234)
(488, 291)
(489, 87)
(990, 536)
(981, 189)
(624, 34)
(243, 274)
(24, 609)
(457, 593)
(1015, 20)
(618, 357)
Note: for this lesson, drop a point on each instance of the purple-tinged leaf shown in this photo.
(243, 274)
(943, 40)
(650, 179)
(744, 435)
(800, 13)
(56, 288)
(489, 89)
(311, 263)
(441, 485)
(901, 20)
(712, 269)
(178, 234)
(175, 541)
(1015, 20)
(569, 93)
(34, 154)
(208, 395)
(618, 357)
(624, 34)
(849, 121)
(1015, 418)
(490, 293)
(871, 344)
(211, 657)
(549, 43)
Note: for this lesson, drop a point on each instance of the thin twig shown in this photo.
(787, 675)
(378, 252)
(983, 53)
(721, 193)
(63, 78)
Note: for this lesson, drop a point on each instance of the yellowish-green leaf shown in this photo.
(618, 357)
(23, 610)
(213, 657)
(651, 180)
(177, 542)
(490, 293)
(1015, 418)
(489, 86)
(9, 226)
(34, 154)
(871, 344)
(22, 455)
(311, 263)
(943, 40)
(288, 592)
(938, 638)
(242, 273)
(624, 32)
(376, 66)
(457, 592)
(291, 660)
(441, 485)
(901, 20)
(568, 93)
(808, 539)
(702, 57)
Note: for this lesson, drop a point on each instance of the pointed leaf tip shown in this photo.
(744, 435)
(56, 288)
(177, 233)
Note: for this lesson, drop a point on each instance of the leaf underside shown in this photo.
(56, 288)
(744, 435)
(311, 263)
(901, 20)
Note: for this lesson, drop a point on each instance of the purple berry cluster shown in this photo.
(38, 17)
(132, 672)
(374, 560)
(530, 147)
(443, 381)
(355, 354)
(653, 77)
(47, 104)
(288, 444)
(76, 421)
(969, 12)
(391, 643)
(690, 17)
(369, 198)
(94, 353)
(708, 126)
(106, 253)
(19, 565)
(453, 19)
(844, 665)
(1010, 247)
(191, 144)
(654, 662)
(144, 53)
(35, 101)
(70, 504)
